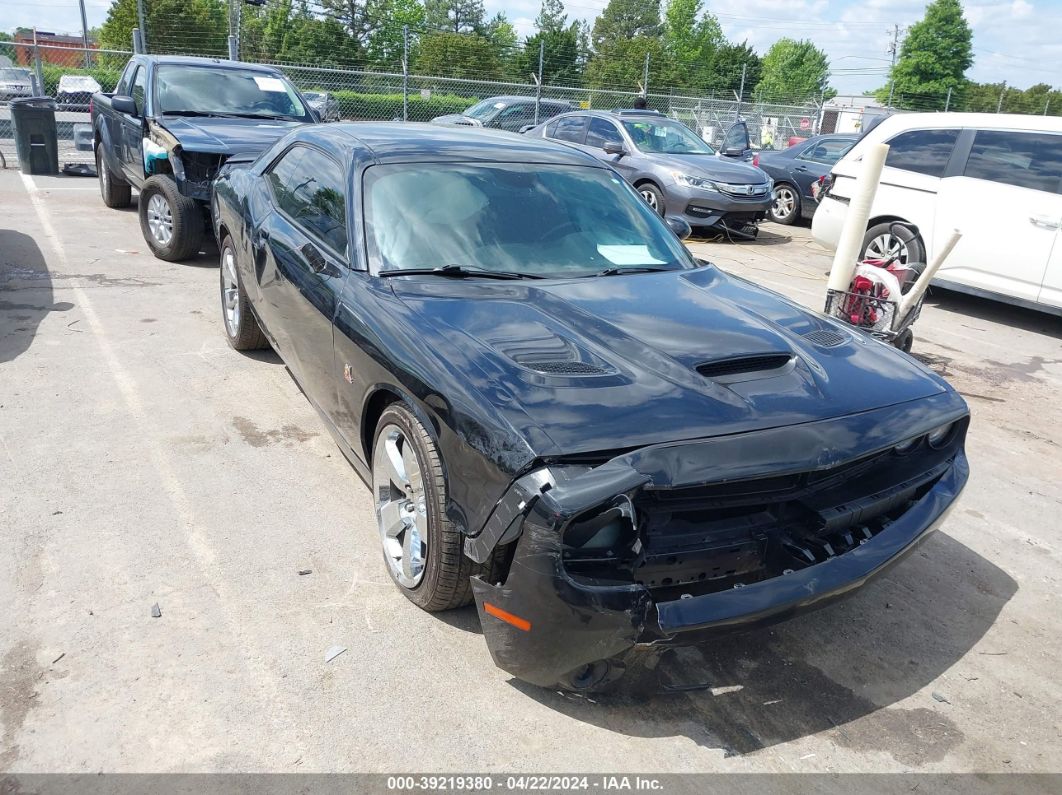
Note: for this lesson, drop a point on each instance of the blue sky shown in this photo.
(1014, 40)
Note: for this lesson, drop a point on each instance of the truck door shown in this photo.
(130, 139)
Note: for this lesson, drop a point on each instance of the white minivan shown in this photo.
(997, 178)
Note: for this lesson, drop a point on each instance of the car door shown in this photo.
(737, 145)
(514, 117)
(131, 139)
(303, 259)
(1005, 200)
(816, 161)
(603, 131)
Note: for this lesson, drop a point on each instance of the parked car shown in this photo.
(676, 172)
(504, 113)
(796, 169)
(75, 92)
(997, 178)
(324, 104)
(561, 413)
(170, 124)
(15, 83)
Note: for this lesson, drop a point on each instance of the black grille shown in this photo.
(826, 338)
(743, 364)
(564, 368)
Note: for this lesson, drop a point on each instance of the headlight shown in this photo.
(905, 447)
(691, 181)
(938, 437)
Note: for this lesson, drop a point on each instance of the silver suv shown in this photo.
(675, 171)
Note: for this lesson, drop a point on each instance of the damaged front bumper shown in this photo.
(673, 543)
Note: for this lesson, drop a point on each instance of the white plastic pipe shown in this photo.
(849, 247)
(908, 301)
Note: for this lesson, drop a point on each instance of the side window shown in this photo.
(602, 132)
(551, 129)
(826, 152)
(139, 89)
(922, 151)
(308, 186)
(1024, 159)
(737, 138)
(571, 128)
(518, 112)
(122, 89)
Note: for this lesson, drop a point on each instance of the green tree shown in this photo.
(792, 72)
(458, 55)
(689, 40)
(620, 64)
(560, 57)
(551, 17)
(191, 26)
(460, 16)
(625, 20)
(385, 42)
(935, 55)
(725, 65)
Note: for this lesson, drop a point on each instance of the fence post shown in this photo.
(538, 88)
(138, 42)
(143, 27)
(37, 68)
(645, 76)
(1047, 105)
(741, 92)
(405, 73)
(947, 100)
(1003, 93)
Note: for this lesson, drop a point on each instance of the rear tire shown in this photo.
(241, 327)
(879, 242)
(172, 224)
(422, 548)
(116, 192)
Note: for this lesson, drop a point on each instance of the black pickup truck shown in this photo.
(170, 124)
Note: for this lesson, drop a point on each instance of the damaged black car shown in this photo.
(608, 445)
(168, 127)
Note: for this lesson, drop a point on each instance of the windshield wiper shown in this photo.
(618, 270)
(458, 272)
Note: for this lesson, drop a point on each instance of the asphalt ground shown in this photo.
(143, 462)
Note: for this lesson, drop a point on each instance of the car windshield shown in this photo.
(666, 137)
(553, 221)
(14, 74)
(484, 109)
(209, 90)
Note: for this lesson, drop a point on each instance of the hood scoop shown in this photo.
(546, 353)
(826, 338)
(553, 367)
(743, 368)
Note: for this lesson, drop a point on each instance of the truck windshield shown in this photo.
(207, 90)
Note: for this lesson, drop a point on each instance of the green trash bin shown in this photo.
(36, 138)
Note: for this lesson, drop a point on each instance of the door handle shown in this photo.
(314, 257)
(1045, 221)
(801, 168)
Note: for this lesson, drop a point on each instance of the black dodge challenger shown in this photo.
(609, 445)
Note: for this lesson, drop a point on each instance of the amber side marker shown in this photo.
(508, 618)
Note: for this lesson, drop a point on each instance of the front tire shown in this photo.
(653, 197)
(241, 327)
(422, 548)
(785, 208)
(172, 224)
(116, 192)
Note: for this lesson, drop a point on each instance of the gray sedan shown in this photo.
(15, 83)
(676, 172)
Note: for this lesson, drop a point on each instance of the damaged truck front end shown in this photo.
(674, 543)
(193, 172)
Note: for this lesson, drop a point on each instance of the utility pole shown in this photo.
(143, 27)
(645, 76)
(405, 73)
(1003, 93)
(947, 100)
(741, 92)
(84, 34)
(894, 50)
(538, 82)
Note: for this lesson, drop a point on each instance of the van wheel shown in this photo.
(880, 243)
(116, 192)
(172, 224)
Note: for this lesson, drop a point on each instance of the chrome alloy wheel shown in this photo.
(230, 292)
(650, 199)
(160, 219)
(885, 246)
(401, 506)
(784, 201)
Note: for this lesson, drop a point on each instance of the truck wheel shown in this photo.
(116, 192)
(421, 546)
(241, 327)
(172, 224)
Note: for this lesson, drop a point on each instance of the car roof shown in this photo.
(899, 122)
(397, 142)
(222, 63)
(510, 98)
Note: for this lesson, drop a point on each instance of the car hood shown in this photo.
(607, 363)
(226, 136)
(456, 120)
(716, 168)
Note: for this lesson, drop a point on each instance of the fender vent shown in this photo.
(826, 338)
(563, 368)
(740, 365)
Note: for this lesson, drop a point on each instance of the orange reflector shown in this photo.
(508, 618)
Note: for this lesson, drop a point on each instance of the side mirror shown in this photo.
(679, 226)
(613, 148)
(124, 105)
(526, 128)
(733, 152)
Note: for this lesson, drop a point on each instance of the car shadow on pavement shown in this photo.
(25, 293)
(998, 312)
(834, 670)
